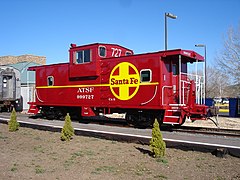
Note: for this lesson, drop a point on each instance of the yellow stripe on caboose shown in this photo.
(91, 85)
(122, 77)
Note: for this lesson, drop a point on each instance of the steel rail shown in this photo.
(115, 122)
(204, 130)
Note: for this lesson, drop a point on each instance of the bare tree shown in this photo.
(228, 60)
(217, 82)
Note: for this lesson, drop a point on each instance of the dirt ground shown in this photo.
(35, 154)
(223, 122)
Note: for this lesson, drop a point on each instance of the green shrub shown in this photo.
(67, 130)
(157, 145)
(13, 125)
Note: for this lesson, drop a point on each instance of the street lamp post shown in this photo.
(205, 65)
(172, 16)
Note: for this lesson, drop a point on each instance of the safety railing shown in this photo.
(199, 86)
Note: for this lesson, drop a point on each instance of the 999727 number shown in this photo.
(85, 96)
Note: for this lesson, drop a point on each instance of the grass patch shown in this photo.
(38, 149)
(114, 142)
(161, 177)
(92, 139)
(3, 137)
(162, 160)
(39, 170)
(89, 153)
(14, 168)
(26, 133)
(71, 160)
(198, 166)
(220, 178)
(108, 169)
(53, 155)
(81, 154)
(37, 138)
(142, 171)
(201, 158)
(76, 155)
(68, 163)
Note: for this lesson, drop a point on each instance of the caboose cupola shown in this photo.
(85, 60)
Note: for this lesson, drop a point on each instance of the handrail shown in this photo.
(35, 91)
(199, 86)
(188, 74)
(163, 93)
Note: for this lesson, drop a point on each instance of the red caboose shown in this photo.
(108, 78)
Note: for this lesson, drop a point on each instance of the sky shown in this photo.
(48, 27)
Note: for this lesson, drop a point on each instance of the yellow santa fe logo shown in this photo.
(124, 81)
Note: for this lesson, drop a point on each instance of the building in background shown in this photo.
(27, 81)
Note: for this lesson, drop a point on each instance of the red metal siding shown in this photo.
(115, 82)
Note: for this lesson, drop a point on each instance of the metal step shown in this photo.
(172, 117)
(178, 105)
(173, 110)
(170, 123)
(33, 109)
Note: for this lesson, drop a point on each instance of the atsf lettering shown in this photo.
(85, 90)
(85, 93)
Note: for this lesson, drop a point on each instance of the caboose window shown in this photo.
(50, 80)
(4, 80)
(128, 53)
(102, 51)
(146, 75)
(83, 56)
(175, 69)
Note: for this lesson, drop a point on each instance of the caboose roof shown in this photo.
(101, 44)
(187, 53)
(190, 55)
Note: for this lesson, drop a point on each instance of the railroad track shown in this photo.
(116, 122)
(184, 129)
(204, 130)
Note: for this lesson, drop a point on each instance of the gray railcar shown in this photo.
(10, 89)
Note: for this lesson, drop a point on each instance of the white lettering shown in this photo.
(85, 90)
(85, 93)
(85, 96)
(116, 52)
(187, 53)
(111, 99)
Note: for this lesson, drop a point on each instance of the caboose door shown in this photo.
(175, 79)
(170, 91)
(180, 82)
(169, 87)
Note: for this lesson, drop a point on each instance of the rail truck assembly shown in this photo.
(108, 78)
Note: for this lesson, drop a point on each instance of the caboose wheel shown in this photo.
(140, 120)
(130, 118)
